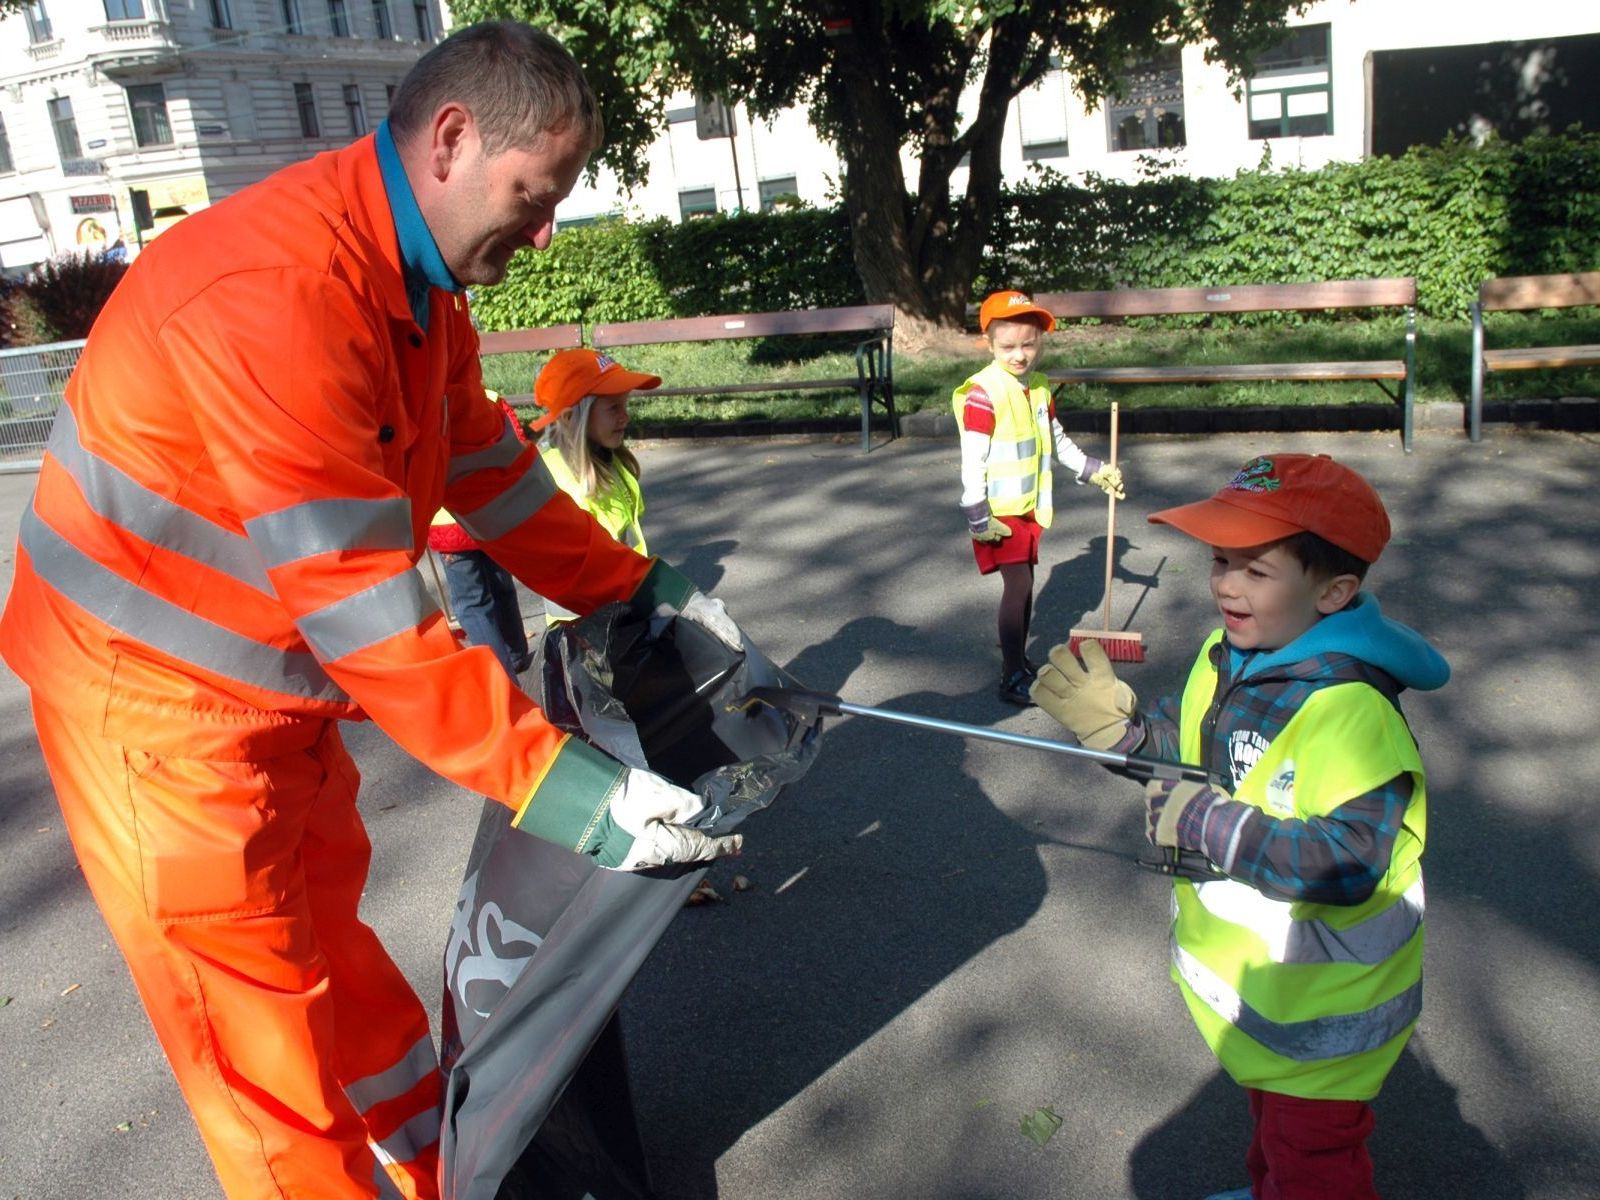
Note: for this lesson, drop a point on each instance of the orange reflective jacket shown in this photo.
(219, 553)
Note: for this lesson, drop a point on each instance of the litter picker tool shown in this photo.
(809, 705)
(1120, 645)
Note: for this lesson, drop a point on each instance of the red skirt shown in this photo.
(1021, 547)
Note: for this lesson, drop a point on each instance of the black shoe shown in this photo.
(1014, 689)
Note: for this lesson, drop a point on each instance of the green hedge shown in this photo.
(1451, 215)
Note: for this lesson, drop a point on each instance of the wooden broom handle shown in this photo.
(1111, 519)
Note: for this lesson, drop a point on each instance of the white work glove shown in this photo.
(1105, 477)
(712, 616)
(652, 810)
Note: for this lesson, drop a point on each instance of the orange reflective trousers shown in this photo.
(232, 889)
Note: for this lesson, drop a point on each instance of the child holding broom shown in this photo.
(1009, 434)
(1301, 959)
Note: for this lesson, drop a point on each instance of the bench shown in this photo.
(873, 381)
(1269, 297)
(535, 341)
(1521, 293)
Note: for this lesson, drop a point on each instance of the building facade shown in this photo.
(1353, 78)
(118, 117)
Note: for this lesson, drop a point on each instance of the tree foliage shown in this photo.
(934, 78)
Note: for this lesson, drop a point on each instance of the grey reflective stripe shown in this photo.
(1288, 940)
(128, 504)
(512, 507)
(420, 1062)
(412, 1138)
(320, 526)
(399, 603)
(1013, 451)
(147, 618)
(1332, 1036)
(1008, 489)
(502, 454)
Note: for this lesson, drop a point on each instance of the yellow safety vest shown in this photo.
(1304, 999)
(1022, 446)
(618, 508)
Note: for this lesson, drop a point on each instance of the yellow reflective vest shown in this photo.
(619, 508)
(1022, 446)
(1306, 999)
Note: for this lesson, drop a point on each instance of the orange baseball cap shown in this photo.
(1279, 495)
(570, 375)
(1008, 306)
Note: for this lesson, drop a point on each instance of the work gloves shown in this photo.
(1105, 477)
(1086, 697)
(644, 826)
(982, 524)
(712, 616)
(1174, 802)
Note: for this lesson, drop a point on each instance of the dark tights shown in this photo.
(1016, 611)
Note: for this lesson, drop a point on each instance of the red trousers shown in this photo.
(1309, 1149)
(231, 889)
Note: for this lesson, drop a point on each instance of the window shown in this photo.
(221, 18)
(1042, 117)
(338, 20)
(353, 109)
(1291, 92)
(381, 24)
(783, 190)
(291, 16)
(697, 202)
(124, 10)
(306, 103)
(66, 127)
(1150, 112)
(38, 22)
(424, 22)
(148, 103)
(6, 165)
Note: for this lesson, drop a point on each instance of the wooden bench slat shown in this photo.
(511, 341)
(732, 389)
(1229, 372)
(865, 318)
(1533, 357)
(1521, 292)
(1263, 297)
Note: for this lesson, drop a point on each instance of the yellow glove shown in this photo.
(1166, 801)
(994, 531)
(1086, 697)
(1109, 480)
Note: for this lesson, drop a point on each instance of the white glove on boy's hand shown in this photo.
(652, 810)
(712, 616)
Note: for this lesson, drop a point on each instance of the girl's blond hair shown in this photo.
(595, 472)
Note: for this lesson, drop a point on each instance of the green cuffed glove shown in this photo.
(1086, 697)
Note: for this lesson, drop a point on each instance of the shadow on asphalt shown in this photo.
(872, 892)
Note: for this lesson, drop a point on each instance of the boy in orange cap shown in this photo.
(1007, 419)
(1300, 954)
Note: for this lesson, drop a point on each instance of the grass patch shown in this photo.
(925, 379)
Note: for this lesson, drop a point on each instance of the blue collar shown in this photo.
(420, 261)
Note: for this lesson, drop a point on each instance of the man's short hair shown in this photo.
(518, 82)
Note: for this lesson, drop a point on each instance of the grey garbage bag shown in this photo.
(543, 943)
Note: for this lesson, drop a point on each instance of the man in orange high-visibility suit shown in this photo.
(217, 568)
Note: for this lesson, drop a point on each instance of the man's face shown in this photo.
(1016, 345)
(492, 206)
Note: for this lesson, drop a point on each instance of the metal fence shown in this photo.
(32, 380)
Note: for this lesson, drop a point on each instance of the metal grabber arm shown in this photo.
(808, 705)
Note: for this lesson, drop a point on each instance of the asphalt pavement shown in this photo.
(944, 935)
